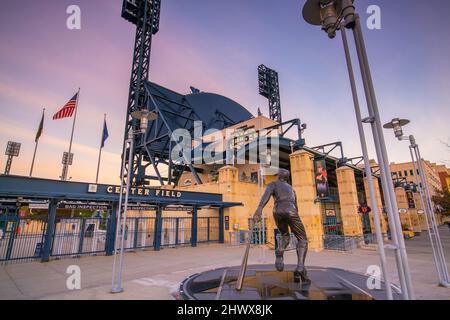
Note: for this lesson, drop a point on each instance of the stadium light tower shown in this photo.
(144, 14)
(269, 88)
(12, 150)
(334, 15)
(425, 195)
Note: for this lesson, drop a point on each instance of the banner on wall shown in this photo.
(410, 197)
(321, 178)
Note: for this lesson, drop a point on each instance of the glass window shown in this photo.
(411, 172)
(406, 173)
(400, 174)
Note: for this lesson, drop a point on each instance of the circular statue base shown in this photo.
(263, 282)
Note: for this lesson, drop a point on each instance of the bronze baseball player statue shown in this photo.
(285, 213)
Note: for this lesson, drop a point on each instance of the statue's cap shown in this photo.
(283, 174)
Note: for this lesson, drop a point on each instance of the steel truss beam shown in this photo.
(145, 15)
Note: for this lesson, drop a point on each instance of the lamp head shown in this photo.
(144, 116)
(397, 125)
(327, 13)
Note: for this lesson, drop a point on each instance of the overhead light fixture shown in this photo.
(397, 124)
(328, 13)
(144, 116)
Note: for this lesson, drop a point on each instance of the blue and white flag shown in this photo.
(105, 133)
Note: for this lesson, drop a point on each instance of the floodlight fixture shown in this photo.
(131, 10)
(269, 88)
(67, 159)
(13, 149)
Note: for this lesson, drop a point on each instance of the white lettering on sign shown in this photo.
(146, 192)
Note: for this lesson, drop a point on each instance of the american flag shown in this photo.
(68, 109)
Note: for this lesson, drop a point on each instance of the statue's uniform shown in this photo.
(285, 213)
(285, 210)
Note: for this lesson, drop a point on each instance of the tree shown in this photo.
(442, 200)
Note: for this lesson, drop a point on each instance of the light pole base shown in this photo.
(116, 290)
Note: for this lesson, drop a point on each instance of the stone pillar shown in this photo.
(302, 172)
(348, 198)
(228, 179)
(402, 202)
(384, 226)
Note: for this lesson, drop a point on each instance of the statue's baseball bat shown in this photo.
(241, 277)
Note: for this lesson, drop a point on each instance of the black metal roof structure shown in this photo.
(178, 111)
(34, 188)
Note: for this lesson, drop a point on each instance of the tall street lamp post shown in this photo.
(425, 195)
(334, 15)
(144, 116)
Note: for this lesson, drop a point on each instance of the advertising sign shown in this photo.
(22, 213)
(321, 178)
(410, 197)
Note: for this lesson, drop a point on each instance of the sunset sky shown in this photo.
(215, 46)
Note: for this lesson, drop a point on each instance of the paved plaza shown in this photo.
(157, 274)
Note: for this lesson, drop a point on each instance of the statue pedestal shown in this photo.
(263, 282)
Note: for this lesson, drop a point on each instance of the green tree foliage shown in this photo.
(442, 199)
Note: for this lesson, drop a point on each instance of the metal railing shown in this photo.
(340, 243)
(24, 239)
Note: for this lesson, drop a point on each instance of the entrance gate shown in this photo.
(20, 238)
(23, 239)
(47, 235)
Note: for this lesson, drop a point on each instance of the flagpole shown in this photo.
(36, 146)
(100, 151)
(66, 166)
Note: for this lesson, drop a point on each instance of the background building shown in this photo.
(406, 171)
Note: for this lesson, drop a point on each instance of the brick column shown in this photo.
(348, 198)
(379, 202)
(302, 171)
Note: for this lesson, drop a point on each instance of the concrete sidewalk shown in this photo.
(157, 275)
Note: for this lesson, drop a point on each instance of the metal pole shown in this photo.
(66, 165)
(389, 197)
(125, 209)
(36, 145)
(367, 168)
(34, 157)
(424, 205)
(385, 163)
(117, 288)
(431, 224)
(8, 164)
